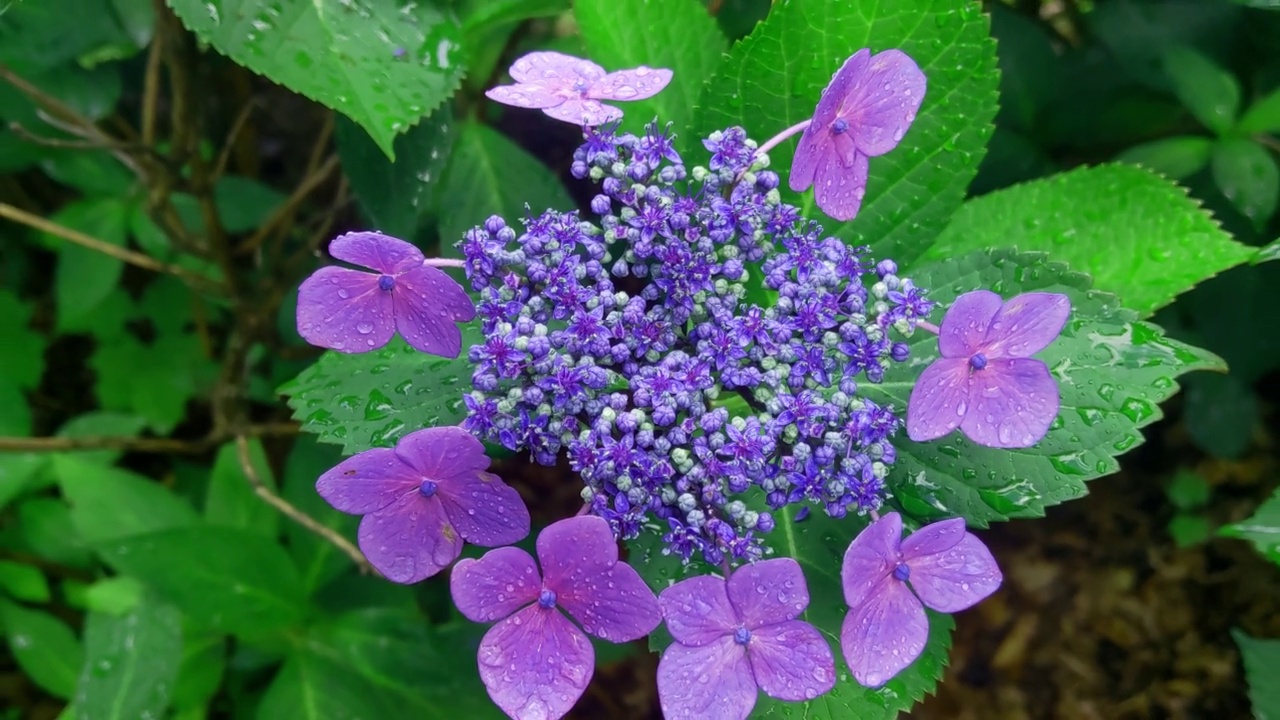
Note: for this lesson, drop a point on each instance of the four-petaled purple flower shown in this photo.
(863, 113)
(422, 499)
(736, 638)
(353, 311)
(887, 628)
(570, 88)
(986, 382)
(535, 662)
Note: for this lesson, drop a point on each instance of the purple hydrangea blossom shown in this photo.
(734, 639)
(887, 628)
(986, 382)
(352, 311)
(570, 88)
(421, 500)
(535, 662)
(863, 113)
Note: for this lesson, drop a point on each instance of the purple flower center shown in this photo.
(427, 488)
(902, 572)
(547, 599)
(840, 126)
(386, 282)
(742, 636)
(581, 86)
(977, 362)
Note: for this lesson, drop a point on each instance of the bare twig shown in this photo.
(220, 165)
(1267, 141)
(286, 209)
(139, 445)
(151, 84)
(109, 144)
(270, 497)
(106, 248)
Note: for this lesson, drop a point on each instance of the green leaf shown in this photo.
(92, 93)
(481, 15)
(1261, 660)
(231, 500)
(22, 352)
(85, 277)
(1140, 235)
(1209, 92)
(175, 369)
(39, 34)
(1112, 370)
(1270, 252)
(1175, 157)
(395, 195)
(92, 172)
(16, 469)
(47, 532)
(1248, 177)
(1187, 530)
(675, 34)
(1263, 116)
(204, 659)
(1220, 414)
(818, 544)
(314, 687)
(1188, 491)
(373, 399)
(130, 662)
(101, 424)
(23, 582)
(772, 80)
(318, 561)
(112, 504)
(1262, 528)
(382, 63)
(223, 579)
(490, 175)
(244, 203)
(44, 647)
(114, 595)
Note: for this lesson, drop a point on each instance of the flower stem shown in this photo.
(927, 326)
(773, 142)
(445, 262)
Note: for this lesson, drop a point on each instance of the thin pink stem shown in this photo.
(773, 142)
(874, 516)
(927, 326)
(582, 510)
(445, 262)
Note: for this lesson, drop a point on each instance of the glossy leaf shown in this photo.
(1139, 235)
(130, 662)
(1248, 176)
(488, 174)
(1175, 157)
(382, 63)
(675, 34)
(373, 399)
(110, 504)
(231, 499)
(772, 79)
(1112, 370)
(1208, 91)
(223, 579)
(44, 647)
(1262, 529)
(1263, 116)
(395, 195)
(1261, 658)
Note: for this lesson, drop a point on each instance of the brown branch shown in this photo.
(151, 84)
(242, 118)
(137, 444)
(713, 7)
(289, 206)
(108, 144)
(1267, 141)
(270, 497)
(133, 258)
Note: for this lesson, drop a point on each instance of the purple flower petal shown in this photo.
(939, 400)
(933, 538)
(442, 453)
(870, 558)
(698, 611)
(839, 190)
(378, 252)
(496, 585)
(634, 84)
(615, 605)
(535, 664)
(344, 310)
(813, 149)
(367, 482)
(572, 550)
(885, 634)
(1026, 324)
(554, 70)
(409, 540)
(768, 592)
(584, 112)
(964, 327)
(882, 102)
(956, 579)
(817, 144)
(485, 510)
(711, 681)
(1012, 403)
(524, 95)
(842, 80)
(428, 306)
(791, 661)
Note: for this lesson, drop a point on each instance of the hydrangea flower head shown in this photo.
(535, 662)
(570, 88)
(353, 311)
(736, 638)
(863, 113)
(886, 628)
(986, 382)
(422, 499)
